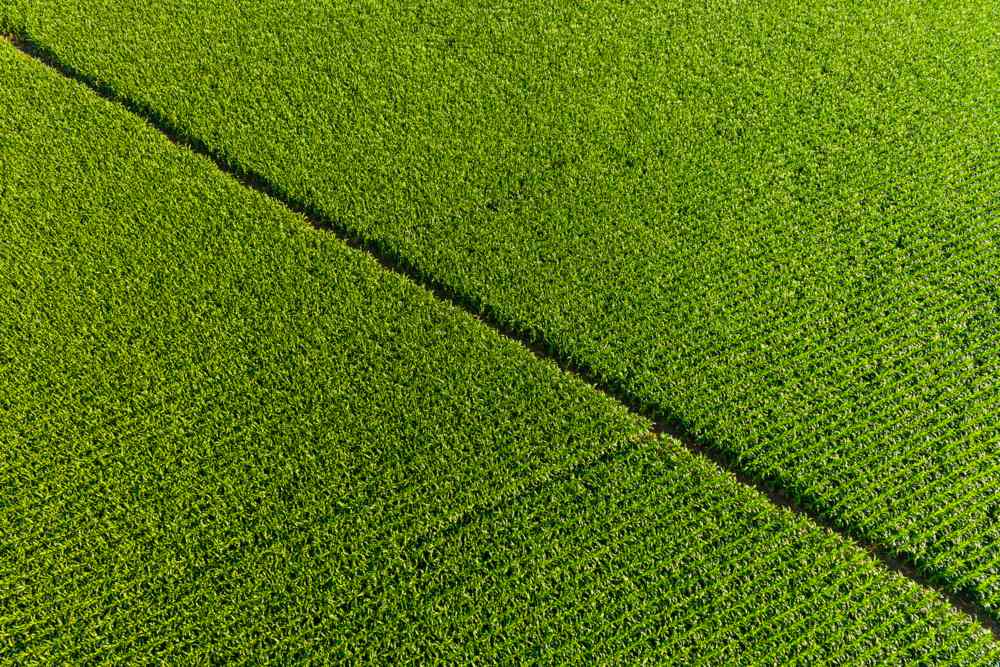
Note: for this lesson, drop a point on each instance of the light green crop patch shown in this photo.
(657, 557)
(774, 223)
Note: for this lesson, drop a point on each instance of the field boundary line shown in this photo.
(963, 601)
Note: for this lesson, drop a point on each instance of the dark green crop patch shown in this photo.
(772, 223)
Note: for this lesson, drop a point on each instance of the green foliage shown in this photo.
(226, 436)
(774, 223)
